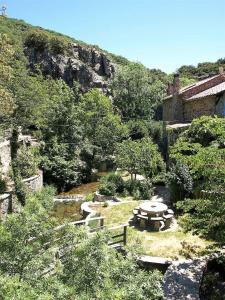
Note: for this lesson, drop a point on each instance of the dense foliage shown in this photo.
(89, 269)
(201, 148)
(199, 172)
(134, 94)
(205, 216)
(40, 41)
(139, 157)
(114, 184)
(202, 70)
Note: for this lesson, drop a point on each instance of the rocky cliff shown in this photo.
(85, 65)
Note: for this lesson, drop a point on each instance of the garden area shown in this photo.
(120, 139)
(173, 243)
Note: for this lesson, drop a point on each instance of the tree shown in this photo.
(62, 135)
(90, 269)
(201, 149)
(133, 92)
(180, 182)
(139, 157)
(101, 126)
(6, 99)
(205, 216)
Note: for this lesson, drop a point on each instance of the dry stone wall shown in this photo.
(5, 205)
(34, 183)
(196, 108)
(5, 157)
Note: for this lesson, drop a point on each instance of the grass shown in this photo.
(171, 244)
(117, 214)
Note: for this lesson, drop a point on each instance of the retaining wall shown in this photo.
(34, 183)
(5, 205)
(5, 157)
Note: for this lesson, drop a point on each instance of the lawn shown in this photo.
(171, 244)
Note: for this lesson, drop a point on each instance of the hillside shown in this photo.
(64, 57)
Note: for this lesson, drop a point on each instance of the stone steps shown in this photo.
(182, 280)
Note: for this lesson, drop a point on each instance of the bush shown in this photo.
(205, 216)
(206, 129)
(137, 129)
(180, 182)
(57, 46)
(111, 184)
(139, 189)
(2, 185)
(27, 162)
(89, 197)
(37, 40)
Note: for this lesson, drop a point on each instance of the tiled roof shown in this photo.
(211, 91)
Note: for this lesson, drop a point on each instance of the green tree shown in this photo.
(133, 92)
(201, 149)
(205, 216)
(6, 99)
(101, 125)
(62, 136)
(139, 157)
(90, 269)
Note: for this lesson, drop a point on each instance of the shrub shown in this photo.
(206, 130)
(205, 216)
(27, 162)
(139, 189)
(107, 189)
(137, 129)
(2, 185)
(89, 197)
(37, 40)
(57, 46)
(111, 184)
(180, 182)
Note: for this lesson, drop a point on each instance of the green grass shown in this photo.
(167, 244)
(117, 214)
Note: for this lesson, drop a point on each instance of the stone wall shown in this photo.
(208, 106)
(167, 110)
(5, 157)
(34, 183)
(5, 205)
(196, 108)
(220, 106)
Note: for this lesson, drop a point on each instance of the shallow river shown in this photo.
(87, 188)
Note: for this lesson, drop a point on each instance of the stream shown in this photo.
(71, 209)
(87, 188)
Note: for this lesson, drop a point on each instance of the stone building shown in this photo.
(206, 97)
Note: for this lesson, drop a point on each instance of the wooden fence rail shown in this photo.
(114, 238)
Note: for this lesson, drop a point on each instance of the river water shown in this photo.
(87, 188)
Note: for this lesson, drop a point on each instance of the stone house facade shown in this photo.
(206, 97)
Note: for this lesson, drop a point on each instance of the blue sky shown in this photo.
(161, 34)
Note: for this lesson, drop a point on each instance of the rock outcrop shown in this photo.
(85, 65)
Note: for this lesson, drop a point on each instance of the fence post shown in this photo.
(125, 235)
(102, 223)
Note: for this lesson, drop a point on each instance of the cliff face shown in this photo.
(88, 66)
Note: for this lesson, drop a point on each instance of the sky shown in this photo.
(162, 34)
